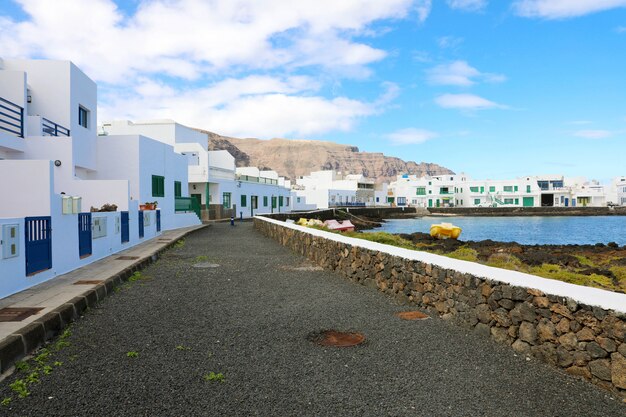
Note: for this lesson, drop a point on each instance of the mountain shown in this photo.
(294, 158)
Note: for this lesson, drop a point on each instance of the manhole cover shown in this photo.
(337, 339)
(205, 265)
(18, 313)
(127, 258)
(88, 282)
(412, 315)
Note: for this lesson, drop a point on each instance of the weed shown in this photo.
(42, 358)
(505, 261)
(117, 289)
(58, 363)
(583, 260)
(6, 401)
(73, 358)
(202, 258)
(33, 378)
(179, 244)
(181, 347)
(135, 277)
(557, 272)
(66, 333)
(213, 377)
(132, 354)
(20, 388)
(382, 237)
(46, 369)
(465, 254)
(22, 366)
(61, 344)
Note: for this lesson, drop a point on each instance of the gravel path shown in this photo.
(249, 318)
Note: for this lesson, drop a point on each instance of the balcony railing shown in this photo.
(11, 118)
(49, 128)
(187, 204)
(260, 180)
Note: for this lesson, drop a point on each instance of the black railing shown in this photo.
(11, 118)
(50, 128)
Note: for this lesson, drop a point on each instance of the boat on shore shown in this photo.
(445, 231)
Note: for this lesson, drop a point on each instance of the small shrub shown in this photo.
(132, 354)
(6, 401)
(505, 261)
(20, 388)
(22, 366)
(464, 253)
(213, 377)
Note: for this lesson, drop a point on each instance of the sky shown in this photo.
(492, 88)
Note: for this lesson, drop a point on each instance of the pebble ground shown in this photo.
(231, 301)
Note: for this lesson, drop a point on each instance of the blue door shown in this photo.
(140, 217)
(158, 214)
(125, 229)
(84, 234)
(38, 244)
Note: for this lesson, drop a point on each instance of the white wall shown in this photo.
(13, 270)
(166, 131)
(26, 188)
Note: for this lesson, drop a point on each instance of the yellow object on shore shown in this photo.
(445, 231)
(309, 222)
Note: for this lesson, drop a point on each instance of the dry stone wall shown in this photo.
(585, 341)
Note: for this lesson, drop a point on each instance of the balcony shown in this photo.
(260, 180)
(11, 118)
(49, 128)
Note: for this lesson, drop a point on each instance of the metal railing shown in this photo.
(11, 118)
(260, 180)
(49, 128)
(187, 204)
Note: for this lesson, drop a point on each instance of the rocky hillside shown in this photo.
(295, 158)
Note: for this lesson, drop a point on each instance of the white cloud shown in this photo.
(563, 9)
(593, 134)
(465, 102)
(467, 5)
(459, 73)
(423, 7)
(255, 106)
(411, 136)
(449, 42)
(620, 29)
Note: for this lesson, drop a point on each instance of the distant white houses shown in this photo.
(54, 168)
(330, 188)
(531, 191)
(219, 188)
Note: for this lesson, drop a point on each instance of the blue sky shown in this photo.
(497, 89)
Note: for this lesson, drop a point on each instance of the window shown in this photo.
(515, 188)
(280, 201)
(226, 200)
(421, 191)
(517, 201)
(158, 186)
(265, 201)
(482, 190)
(508, 201)
(243, 200)
(492, 189)
(508, 189)
(83, 117)
(287, 201)
(477, 201)
(177, 189)
(474, 189)
(528, 188)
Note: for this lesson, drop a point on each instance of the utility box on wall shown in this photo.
(77, 203)
(66, 204)
(98, 227)
(117, 225)
(10, 240)
(146, 219)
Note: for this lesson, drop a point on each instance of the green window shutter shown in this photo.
(177, 189)
(517, 201)
(265, 201)
(476, 201)
(492, 189)
(528, 188)
(515, 188)
(243, 200)
(482, 190)
(158, 186)
(280, 201)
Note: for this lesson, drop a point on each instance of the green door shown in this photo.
(430, 202)
(437, 202)
(529, 201)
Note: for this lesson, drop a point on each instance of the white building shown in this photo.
(330, 188)
(617, 191)
(219, 188)
(53, 168)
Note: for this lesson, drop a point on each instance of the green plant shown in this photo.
(61, 344)
(179, 243)
(505, 261)
(46, 369)
(181, 347)
(465, 254)
(132, 354)
(42, 358)
(213, 377)
(20, 388)
(6, 401)
(33, 378)
(57, 363)
(22, 366)
(135, 277)
(202, 258)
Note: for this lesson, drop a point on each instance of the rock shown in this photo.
(599, 313)
(564, 358)
(545, 352)
(485, 290)
(519, 294)
(541, 302)
(482, 329)
(622, 349)
(501, 316)
(562, 310)
(595, 350)
(521, 346)
(575, 326)
(606, 344)
(601, 369)
(528, 333)
(585, 335)
(618, 370)
(568, 341)
(523, 312)
(546, 331)
(499, 334)
(513, 330)
(581, 371)
(563, 326)
(483, 313)
(506, 303)
(572, 305)
(581, 358)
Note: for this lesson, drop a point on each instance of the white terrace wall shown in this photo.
(579, 329)
(25, 188)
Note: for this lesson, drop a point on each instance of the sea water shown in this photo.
(526, 230)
